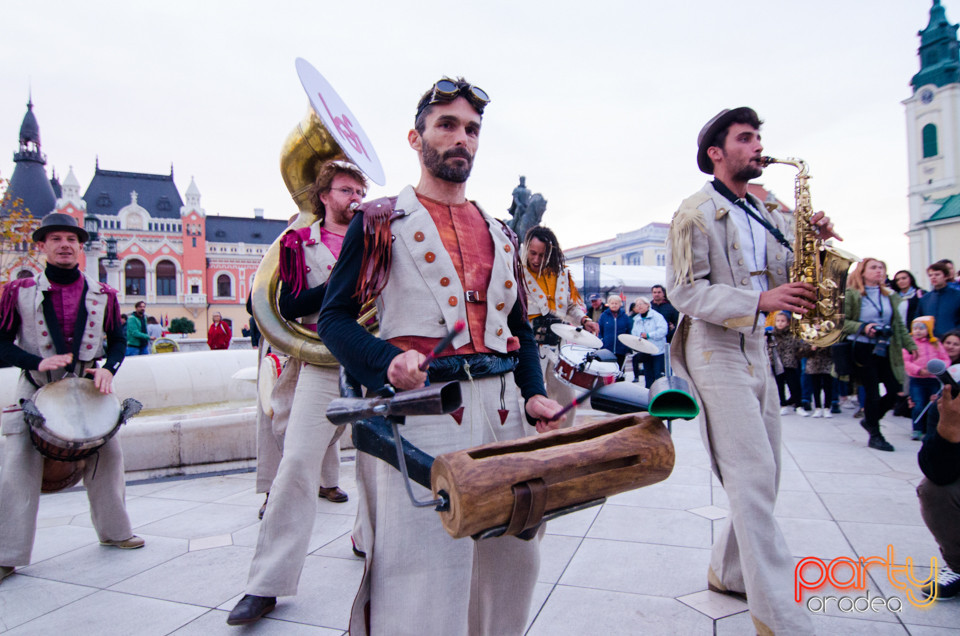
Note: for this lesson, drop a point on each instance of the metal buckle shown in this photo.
(474, 296)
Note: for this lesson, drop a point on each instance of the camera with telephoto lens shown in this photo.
(882, 335)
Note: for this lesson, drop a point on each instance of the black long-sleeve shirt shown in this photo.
(367, 358)
(940, 460)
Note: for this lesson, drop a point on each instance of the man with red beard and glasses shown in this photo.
(310, 462)
(728, 265)
(430, 258)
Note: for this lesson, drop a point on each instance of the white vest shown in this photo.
(538, 305)
(34, 335)
(424, 296)
(320, 260)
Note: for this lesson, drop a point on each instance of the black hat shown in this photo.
(56, 222)
(719, 122)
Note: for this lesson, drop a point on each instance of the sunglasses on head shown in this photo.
(447, 90)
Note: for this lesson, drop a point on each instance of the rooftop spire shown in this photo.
(939, 51)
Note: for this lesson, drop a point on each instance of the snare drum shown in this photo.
(576, 367)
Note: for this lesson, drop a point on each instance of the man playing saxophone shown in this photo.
(728, 265)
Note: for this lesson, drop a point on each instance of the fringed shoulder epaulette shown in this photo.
(8, 301)
(680, 238)
(111, 316)
(517, 265)
(293, 261)
(377, 248)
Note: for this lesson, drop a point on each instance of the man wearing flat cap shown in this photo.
(727, 266)
(58, 323)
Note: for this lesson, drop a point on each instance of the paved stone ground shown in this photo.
(635, 565)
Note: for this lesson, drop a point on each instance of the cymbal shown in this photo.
(637, 343)
(576, 335)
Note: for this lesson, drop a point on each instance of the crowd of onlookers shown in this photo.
(142, 331)
(892, 329)
(653, 319)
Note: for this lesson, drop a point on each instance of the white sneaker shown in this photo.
(827, 413)
(818, 412)
(784, 410)
(802, 412)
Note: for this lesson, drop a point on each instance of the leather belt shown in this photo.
(481, 365)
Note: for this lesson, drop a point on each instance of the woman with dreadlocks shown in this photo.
(551, 298)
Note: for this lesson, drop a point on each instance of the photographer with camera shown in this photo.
(879, 337)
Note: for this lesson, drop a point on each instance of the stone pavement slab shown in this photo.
(636, 564)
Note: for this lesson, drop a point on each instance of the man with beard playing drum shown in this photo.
(431, 258)
(552, 297)
(50, 326)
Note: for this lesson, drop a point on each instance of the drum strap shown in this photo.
(529, 504)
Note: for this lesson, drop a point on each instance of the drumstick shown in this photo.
(577, 401)
(459, 326)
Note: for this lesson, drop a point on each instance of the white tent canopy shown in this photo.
(628, 279)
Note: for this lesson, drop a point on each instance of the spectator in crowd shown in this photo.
(649, 325)
(819, 369)
(219, 334)
(923, 385)
(138, 339)
(613, 322)
(942, 301)
(154, 330)
(906, 285)
(951, 273)
(596, 308)
(939, 494)
(879, 337)
(784, 345)
(665, 308)
(951, 345)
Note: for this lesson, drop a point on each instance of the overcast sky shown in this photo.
(598, 104)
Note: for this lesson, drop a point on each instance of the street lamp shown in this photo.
(92, 225)
(111, 250)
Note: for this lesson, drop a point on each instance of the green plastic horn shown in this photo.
(672, 399)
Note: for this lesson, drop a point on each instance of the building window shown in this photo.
(930, 141)
(194, 242)
(135, 278)
(224, 286)
(166, 279)
(661, 259)
(194, 289)
(103, 272)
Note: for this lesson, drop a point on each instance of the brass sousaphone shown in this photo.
(328, 132)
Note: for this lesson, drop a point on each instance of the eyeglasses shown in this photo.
(347, 192)
(447, 90)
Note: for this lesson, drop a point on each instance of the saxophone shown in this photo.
(816, 263)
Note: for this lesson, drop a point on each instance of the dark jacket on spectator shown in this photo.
(611, 327)
(944, 306)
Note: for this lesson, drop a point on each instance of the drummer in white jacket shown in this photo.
(58, 323)
(652, 326)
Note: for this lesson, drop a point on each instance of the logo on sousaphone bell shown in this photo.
(341, 123)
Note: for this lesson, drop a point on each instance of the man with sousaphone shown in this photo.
(310, 461)
(432, 260)
(552, 298)
(53, 326)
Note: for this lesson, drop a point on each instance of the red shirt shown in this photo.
(466, 238)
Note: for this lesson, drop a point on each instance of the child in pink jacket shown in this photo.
(923, 385)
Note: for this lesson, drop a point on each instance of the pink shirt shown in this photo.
(333, 241)
(66, 302)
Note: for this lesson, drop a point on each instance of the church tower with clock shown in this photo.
(933, 146)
